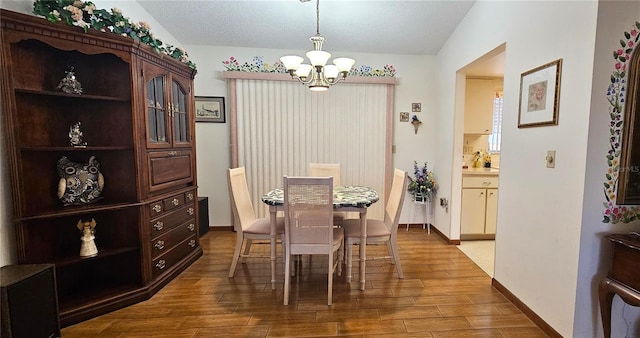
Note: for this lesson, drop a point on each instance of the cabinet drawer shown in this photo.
(173, 256)
(173, 202)
(167, 241)
(169, 168)
(172, 219)
(480, 182)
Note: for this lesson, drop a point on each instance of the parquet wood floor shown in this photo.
(443, 294)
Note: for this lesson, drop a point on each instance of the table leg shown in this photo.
(363, 246)
(273, 212)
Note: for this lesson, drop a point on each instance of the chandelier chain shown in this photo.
(318, 17)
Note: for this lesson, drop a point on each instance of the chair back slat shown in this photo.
(308, 211)
(326, 170)
(240, 197)
(396, 199)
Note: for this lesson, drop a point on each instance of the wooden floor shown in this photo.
(443, 294)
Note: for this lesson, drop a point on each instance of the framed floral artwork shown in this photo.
(540, 95)
(210, 109)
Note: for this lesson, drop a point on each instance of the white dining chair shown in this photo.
(248, 227)
(309, 230)
(329, 170)
(380, 231)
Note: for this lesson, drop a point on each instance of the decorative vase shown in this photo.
(80, 183)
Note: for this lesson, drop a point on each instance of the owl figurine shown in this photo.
(80, 183)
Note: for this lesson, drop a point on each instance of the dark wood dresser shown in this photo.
(624, 277)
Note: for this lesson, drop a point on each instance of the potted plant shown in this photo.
(424, 185)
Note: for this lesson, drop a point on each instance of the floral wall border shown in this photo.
(616, 93)
(257, 65)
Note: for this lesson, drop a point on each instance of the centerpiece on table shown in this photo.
(424, 185)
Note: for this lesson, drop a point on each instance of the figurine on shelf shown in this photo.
(69, 84)
(75, 136)
(88, 246)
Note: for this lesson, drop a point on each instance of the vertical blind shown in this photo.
(282, 126)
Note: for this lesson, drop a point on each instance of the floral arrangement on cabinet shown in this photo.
(424, 185)
(84, 14)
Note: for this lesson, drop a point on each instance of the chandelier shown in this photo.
(317, 75)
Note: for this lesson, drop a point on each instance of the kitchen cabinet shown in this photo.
(115, 73)
(478, 106)
(479, 207)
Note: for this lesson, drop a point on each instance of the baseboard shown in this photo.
(433, 229)
(546, 328)
(224, 228)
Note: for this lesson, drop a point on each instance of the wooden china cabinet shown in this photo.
(136, 114)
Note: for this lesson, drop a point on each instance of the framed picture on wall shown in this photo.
(210, 109)
(540, 95)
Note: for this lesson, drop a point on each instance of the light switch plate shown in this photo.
(551, 158)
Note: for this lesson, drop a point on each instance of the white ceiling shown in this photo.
(417, 27)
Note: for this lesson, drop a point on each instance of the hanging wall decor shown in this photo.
(540, 95)
(618, 101)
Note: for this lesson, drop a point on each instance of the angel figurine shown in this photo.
(88, 247)
(69, 84)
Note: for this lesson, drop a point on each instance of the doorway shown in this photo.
(481, 157)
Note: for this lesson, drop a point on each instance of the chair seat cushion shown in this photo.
(263, 226)
(375, 228)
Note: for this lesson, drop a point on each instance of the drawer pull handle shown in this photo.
(157, 208)
(172, 153)
(190, 211)
(161, 264)
(190, 196)
(159, 225)
(192, 243)
(159, 245)
(191, 227)
(175, 202)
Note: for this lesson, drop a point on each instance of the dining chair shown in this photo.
(247, 226)
(329, 170)
(380, 231)
(309, 230)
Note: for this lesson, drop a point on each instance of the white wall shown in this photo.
(414, 84)
(539, 209)
(614, 18)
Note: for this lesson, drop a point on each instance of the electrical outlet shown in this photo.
(467, 149)
(443, 202)
(551, 158)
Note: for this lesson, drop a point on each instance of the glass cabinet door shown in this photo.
(180, 113)
(157, 129)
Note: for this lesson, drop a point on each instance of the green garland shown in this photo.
(85, 14)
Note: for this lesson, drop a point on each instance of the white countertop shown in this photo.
(480, 171)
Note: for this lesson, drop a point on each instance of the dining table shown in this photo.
(349, 198)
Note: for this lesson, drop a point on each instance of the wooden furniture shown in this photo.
(623, 279)
(29, 304)
(136, 115)
(379, 231)
(478, 106)
(249, 227)
(346, 198)
(203, 215)
(309, 229)
(479, 207)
